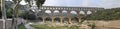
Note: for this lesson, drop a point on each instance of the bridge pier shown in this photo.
(52, 17)
(61, 20)
(78, 15)
(93, 11)
(43, 19)
(69, 21)
(43, 16)
(60, 16)
(78, 18)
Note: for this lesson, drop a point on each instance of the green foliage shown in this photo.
(21, 12)
(39, 2)
(28, 15)
(92, 25)
(74, 27)
(44, 26)
(21, 26)
(9, 12)
(107, 14)
(28, 2)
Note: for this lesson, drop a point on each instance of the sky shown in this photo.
(84, 3)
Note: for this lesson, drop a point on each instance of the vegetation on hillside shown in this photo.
(107, 14)
(21, 26)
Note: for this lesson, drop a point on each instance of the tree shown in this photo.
(16, 6)
(107, 14)
(3, 11)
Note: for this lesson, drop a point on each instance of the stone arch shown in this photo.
(56, 12)
(47, 11)
(64, 13)
(89, 12)
(81, 12)
(65, 20)
(40, 19)
(74, 19)
(48, 19)
(73, 13)
(57, 19)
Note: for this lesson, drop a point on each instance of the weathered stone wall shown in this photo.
(8, 24)
(1, 24)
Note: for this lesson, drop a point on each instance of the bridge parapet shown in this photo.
(69, 8)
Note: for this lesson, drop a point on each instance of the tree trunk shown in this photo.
(15, 15)
(3, 10)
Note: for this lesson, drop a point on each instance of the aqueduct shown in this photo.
(68, 9)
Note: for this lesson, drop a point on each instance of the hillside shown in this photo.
(108, 14)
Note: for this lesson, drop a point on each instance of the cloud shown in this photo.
(85, 3)
(52, 3)
(101, 3)
(62, 3)
(110, 3)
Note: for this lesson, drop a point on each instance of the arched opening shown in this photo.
(75, 20)
(48, 19)
(57, 19)
(56, 13)
(65, 20)
(40, 19)
(47, 13)
(64, 13)
(81, 12)
(73, 13)
(89, 12)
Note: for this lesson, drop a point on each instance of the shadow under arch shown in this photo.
(65, 20)
(74, 19)
(40, 19)
(48, 19)
(57, 19)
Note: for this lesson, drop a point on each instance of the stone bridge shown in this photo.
(68, 10)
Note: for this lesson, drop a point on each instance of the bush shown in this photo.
(92, 25)
(21, 26)
(107, 14)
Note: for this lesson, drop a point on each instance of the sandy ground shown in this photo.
(108, 24)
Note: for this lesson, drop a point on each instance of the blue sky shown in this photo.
(84, 3)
